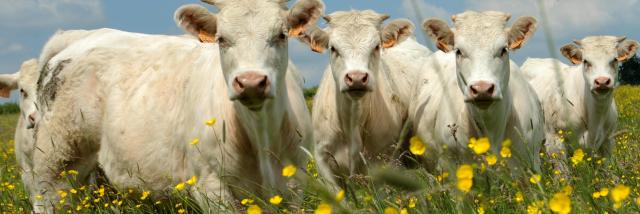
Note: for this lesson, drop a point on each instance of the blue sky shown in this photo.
(25, 25)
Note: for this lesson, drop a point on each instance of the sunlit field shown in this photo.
(484, 186)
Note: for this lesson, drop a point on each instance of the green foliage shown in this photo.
(630, 71)
(9, 108)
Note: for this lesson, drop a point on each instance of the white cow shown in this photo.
(144, 98)
(361, 104)
(24, 80)
(472, 89)
(578, 104)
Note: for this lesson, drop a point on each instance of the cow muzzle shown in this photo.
(251, 89)
(482, 94)
(602, 85)
(31, 120)
(357, 83)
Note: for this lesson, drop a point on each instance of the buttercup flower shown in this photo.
(254, 209)
(535, 179)
(193, 180)
(491, 159)
(195, 141)
(340, 196)
(211, 122)
(618, 194)
(246, 201)
(323, 208)
(578, 156)
(416, 146)
(289, 170)
(560, 203)
(145, 195)
(519, 197)
(180, 186)
(479, 146)
(390, 210)
(275, 200)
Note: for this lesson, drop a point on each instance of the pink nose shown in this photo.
(251, 85)
(32, 120)
(603, 82)
(482, 90)
(356, 80)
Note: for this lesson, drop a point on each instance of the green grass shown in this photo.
(496, 188)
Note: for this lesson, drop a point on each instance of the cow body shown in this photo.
(134, 104)
(471, 89)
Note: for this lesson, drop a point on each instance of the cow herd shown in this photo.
(127, 105)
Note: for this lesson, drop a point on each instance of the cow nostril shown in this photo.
(491, 88)
(608, 81)
(365, 78)
(473, 90)
(238, 84)
(263, 83)
(348, 79)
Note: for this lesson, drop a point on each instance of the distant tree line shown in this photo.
(629, 72)
(9, 108)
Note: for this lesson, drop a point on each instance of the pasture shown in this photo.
(484, 186)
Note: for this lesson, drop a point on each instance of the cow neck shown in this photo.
(597, 110)
(264, 130)
(492, 122)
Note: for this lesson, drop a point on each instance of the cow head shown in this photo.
(482, 45)
(25, 81)
(599, 57)
(355, 40)
(252, 36)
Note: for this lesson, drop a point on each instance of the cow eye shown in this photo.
(587, 64)
(459, 53)
(23, 93)
(334, 50)
(223, 42)
(377, 48)
(504, 52)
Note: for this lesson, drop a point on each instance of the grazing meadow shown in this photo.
(486, 185)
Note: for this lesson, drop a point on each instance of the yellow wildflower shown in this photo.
(412, 202)
(193, 180)
(180, 186)
(578, 156)
(246, 201)
(39, 197)
(481, 210)
(390, 210)
(62, 193)
(11, 186)
(619, 193)
(180, 211)
(491, 159)
(195, 141)
(211, 122)
(145, 195)
(505, 152)
(535, 179)
(519, 197)
(560, 203)
(289, 170)
(464, 172)
(323, 208)
(464, 185)
(535, 207)
(73, 191)
(254, 209)
(404, 211)
(479, 146)
(275, 200)
(604, 192)
(416, 146)
(567, 190)
(72, 172)
(101, 191)
(340, 196)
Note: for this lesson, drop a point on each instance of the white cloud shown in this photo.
(39, 13)
(567, 17)
(425, 9)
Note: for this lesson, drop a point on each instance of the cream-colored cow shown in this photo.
(578, 104)
(471, 89)
(361, 104)
(145, 99)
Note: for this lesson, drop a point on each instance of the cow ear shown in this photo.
(626, 49)
(197, 21)
(521, 30)
(302, 15)
(572, 52)
(8, 82)
(316, 38)
(440, 33)
(396, 31)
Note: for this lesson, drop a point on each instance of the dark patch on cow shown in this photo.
(47, 90)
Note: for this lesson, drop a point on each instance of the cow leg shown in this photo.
(57, 151)
(212, 195)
